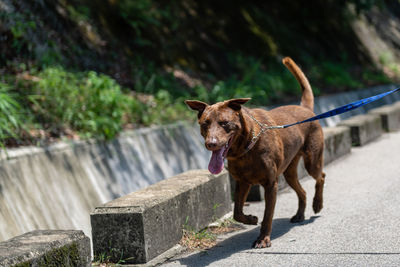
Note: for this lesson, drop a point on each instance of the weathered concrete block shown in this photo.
(144, 224)
(396, 104)
(363, 128)
(390, 116)
(337, 143)
(256, 192)
(46, 248)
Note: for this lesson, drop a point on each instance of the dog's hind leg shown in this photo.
(241, 191)
(291, 178)
(314, 161)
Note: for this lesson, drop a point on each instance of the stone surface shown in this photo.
(390, 116)
(144, 224)
(337, 143)
(363, 128)
(46, 248)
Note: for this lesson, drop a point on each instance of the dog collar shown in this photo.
(263, 128)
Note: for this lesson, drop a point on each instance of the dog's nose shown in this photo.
(211, 143)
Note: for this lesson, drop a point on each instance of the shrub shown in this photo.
(90, 103)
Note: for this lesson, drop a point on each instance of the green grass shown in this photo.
(105, 259)
(11, 115)
(93, 105)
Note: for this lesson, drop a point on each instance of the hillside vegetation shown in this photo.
(82, 69)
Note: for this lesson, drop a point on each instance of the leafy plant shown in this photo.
(90, 103)
(11, 114)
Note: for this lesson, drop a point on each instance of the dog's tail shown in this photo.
(307, 99)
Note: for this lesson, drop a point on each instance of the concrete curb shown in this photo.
(144, 224)
(390, 116)
(364, 128)
(46, 248)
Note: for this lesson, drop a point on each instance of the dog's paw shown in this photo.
(246, 219)
(317, 205)
(262, 243)
(250, 219)
(297, 218)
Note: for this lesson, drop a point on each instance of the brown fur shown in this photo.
(276, 151)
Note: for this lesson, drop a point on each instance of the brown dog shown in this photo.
(257, 155)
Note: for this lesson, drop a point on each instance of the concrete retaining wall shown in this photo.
(58, 186)
(144, 224)
(46, 248)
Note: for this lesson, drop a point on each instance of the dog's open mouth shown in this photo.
(216, 164)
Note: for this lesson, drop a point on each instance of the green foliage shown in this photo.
(264, 84)
(164, 108)
(88, 102)
(339, 76)
(146, 16)
(335, 74)
(19, 29)
(232, 50)
(19, 25)
(11, 114)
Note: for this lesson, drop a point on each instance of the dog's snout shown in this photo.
(211, 143)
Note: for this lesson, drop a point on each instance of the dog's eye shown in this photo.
(204, 126)
(223, 123)
(226, 125)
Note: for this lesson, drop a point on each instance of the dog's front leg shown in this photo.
(241, 191)
(264, 239)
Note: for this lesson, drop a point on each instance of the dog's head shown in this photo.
(219, 125)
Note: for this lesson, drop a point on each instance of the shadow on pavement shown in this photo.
(240, 242)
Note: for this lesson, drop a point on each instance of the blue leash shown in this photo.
(331, 113)
(339, 110)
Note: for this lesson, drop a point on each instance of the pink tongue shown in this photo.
(216, 162)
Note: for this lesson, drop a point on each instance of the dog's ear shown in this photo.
(196, 105)
(236, 104)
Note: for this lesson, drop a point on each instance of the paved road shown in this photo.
(359, 225)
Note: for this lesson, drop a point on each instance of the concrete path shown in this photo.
(359, 225)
